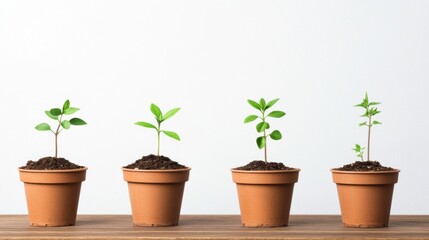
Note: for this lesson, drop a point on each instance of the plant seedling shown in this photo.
(159, 117)
(370, 112)
(359, 151)
(263, 126)
(57, 114)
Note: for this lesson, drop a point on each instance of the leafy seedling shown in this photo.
(159, 119)
(263, 126)
(359, 151)
(57, 114)
(370, 112)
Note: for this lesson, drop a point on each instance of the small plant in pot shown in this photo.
(265, 188)
(52, 184)
(155, 182)
(365, 187)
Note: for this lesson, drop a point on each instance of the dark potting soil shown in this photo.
(259, 165)
(364, 166)
(50, 163)
(155, 162)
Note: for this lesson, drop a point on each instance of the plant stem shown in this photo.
(159, 136)
(369, 137)
(56, 145)
(265, 148)
(265, 137)
(56, 136)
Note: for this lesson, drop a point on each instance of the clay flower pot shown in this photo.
(52, 195)
(365, 197)
(265, 196)
(156, 195)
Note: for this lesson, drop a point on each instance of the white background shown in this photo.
(113, 58)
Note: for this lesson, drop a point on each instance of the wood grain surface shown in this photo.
(213, 227)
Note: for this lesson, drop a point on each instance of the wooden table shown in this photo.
(213, 227)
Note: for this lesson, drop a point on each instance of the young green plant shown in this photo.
(159, 117)
(359, 151)
(263, 126)
(370, 112)
(57, 114)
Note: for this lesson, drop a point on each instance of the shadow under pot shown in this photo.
(156, 195)
(52, 195)
(365, 197)
(265, 196)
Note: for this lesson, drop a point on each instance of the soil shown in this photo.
(259, 165)
(364, 166)
(50, 163)
(153, 162)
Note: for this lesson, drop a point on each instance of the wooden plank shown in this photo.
(213, 227)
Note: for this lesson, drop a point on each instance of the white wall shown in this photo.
(113, 58)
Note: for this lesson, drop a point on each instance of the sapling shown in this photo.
(264, 126)
(159, 117)
(57, 114)
(370, 112)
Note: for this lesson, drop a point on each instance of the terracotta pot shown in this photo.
(365, 197)
(52, 195)
(156, 195)
(265, 196)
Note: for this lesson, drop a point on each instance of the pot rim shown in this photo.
(156, 170)
(265, 171)
(53, 171)
(395, 170)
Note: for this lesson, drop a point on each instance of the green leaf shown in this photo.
(145, 124)
(365, 100)
(374, 103)
(50, 115)
(261, 141)
(260, 127)
(375, 112)
(55, 111)
(254, 104)
(70, 110)
(66, 105)
(271, 103)
(276, 114)
(43, 127)
(276, 135)
(357, 148)
(262, 103)
(77, 122)
(362, 124)
(364, 103)
(360, 105)
(376, 122)
(171, 134)
(170, 113)
(66, 124)
(365, 115)
(156, 111)
(250, 118)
